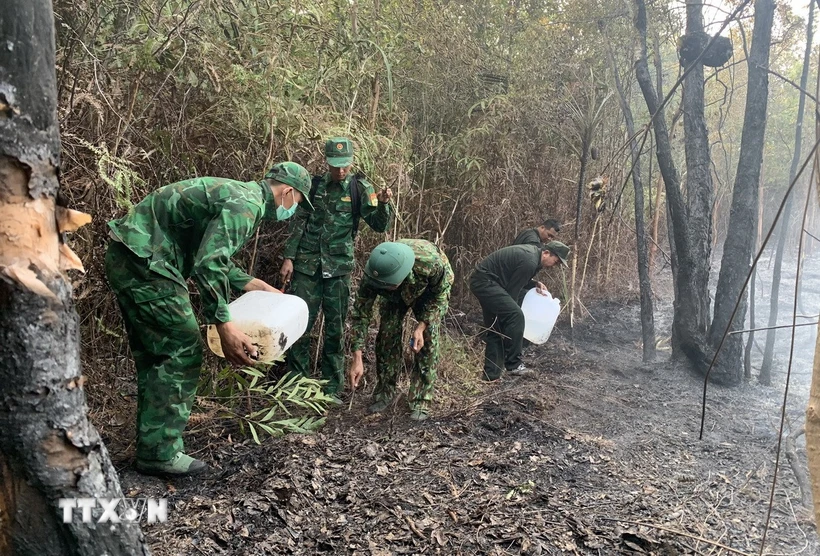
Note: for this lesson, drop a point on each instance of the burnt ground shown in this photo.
(572, 460)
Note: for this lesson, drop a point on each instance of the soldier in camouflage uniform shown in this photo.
(410, 273)
(319, 257)
(188, 229)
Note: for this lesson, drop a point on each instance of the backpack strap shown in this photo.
(314, 184)
(356, 202)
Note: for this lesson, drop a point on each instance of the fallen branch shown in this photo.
(681, 533)
(797, 468)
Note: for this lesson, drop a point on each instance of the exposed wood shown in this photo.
(48, 448)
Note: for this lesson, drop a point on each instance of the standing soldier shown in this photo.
(544, 233)
(319, 256)
(410, 273)
(189, 229)
(496, 283)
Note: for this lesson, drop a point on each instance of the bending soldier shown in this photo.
(319, 256)
(496, 283)
(189, 229)
(410, 273)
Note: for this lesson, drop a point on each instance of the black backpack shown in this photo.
(355, 198)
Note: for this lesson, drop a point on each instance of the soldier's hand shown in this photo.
(540, 288)
(236, 345)
(385, 195)
(268, 288)
(418, 337)
(286, 272)
(259, 285)
(356, 370)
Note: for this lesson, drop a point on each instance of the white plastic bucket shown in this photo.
(540, 314)
(274, 321)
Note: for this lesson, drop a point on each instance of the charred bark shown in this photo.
(737, 249)
(765, 376)
(687, 335)
(694, 317)
(48, 449)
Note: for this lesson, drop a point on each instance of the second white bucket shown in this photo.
(274, 321)
(540, 314)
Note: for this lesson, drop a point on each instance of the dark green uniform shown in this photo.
(321, 248)
(528, 237)
(496, 283)
(427, 291)
(184, 230)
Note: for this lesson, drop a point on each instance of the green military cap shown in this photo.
(294, 175)
(559, 250)
(339, 152)
(389, 264)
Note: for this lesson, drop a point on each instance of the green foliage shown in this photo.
(470, 111)
(293, 404)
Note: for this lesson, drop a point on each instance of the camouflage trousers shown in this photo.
(390, 352)
(167, 348)
(332, 296)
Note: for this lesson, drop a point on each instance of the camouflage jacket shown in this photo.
(323, 238)
(427, 289)
(528, 237)
(192, 228)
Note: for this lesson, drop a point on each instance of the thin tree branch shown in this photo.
(773, 327)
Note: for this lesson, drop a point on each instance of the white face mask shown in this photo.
(283, 213)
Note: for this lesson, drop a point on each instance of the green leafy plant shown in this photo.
(293, 404)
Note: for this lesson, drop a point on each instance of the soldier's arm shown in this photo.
(213, 271)
(296, 228)
(521, 279)
(360, 315)
(238, 278)
(376, 214)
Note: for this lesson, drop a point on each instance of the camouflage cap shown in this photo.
(339, 152)
(559, 250)
(294, 175)
(389, 264)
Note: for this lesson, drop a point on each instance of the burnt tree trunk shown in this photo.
(683, 325)
(645, 284)
(694, 308)
(765, 376)
(48, 449)
(737, 249)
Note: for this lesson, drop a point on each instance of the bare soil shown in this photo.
(593, 454)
